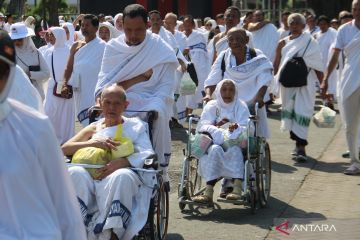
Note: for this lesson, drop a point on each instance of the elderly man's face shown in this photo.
(355, 10)
(324, 26)
(155, 20)
(188, 26)
(296, 26)
(310, 21)
(232, 18)
(258, 16)
(87, 28)
(169, 23)
(4, 74)
(237, 39)
(112, 105)
(104, 33)
(135, 30)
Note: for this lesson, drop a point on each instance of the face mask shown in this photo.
(2, 23)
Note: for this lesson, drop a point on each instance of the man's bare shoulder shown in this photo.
(218, 37)
(77, 45)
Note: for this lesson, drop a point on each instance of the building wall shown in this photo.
(70, 2)
(198, 8)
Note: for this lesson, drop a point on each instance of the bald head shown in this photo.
(239, 34)
(114, 89)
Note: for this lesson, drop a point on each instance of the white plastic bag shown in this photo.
(325, 118)
(187, 85)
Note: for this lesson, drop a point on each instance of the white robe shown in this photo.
(121, 200)
(22, 85)
(283, 33)
(249, 77)
(122, 62)
(36, 194)
(59, 110)
(266, 39)
(87, 63)
(298, 102)
(217, 162)
(28, 55)
(196, 42)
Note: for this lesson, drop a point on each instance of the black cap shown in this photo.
(7, 49)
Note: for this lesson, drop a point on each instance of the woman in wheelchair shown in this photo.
(224, 118)
(114, 197)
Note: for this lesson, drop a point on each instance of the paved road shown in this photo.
(236, 222)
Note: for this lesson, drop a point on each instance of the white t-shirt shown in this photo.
(345, 34)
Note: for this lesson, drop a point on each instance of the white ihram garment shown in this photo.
(298, 102)
(22, 85)
(121, 200)
(59, 110)
(217, 162)
(326, 41)
(196, 42)
(87, 63)
(350, 96)
(122, 62)
(249, 77)
(37, 198)
(266, 39)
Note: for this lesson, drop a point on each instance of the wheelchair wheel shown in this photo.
(161, 217)
(263, 173)
(194, 177)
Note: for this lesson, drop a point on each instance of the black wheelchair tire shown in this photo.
(264, 171)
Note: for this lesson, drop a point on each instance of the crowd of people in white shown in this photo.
(140, 58)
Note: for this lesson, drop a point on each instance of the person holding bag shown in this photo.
(28, 57)
(297, 67)
(59, 105)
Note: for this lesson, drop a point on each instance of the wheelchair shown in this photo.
(257, 176)
(156, 224)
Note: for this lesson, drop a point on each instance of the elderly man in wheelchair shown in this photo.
(114, 198)
(225, 119)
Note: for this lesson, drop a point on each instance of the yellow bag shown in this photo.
(92, 156)
(99, 156)
(126, 146)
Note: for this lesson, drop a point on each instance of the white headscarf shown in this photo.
(111, 28)
(28, 47)
(60, 36)
(228, 110)
(71, 29)
(115, 19)
(213, 23)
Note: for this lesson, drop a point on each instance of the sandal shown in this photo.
(233, 196)
(352, 170)
(202, 199)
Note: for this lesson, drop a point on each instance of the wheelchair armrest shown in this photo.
(151, 162)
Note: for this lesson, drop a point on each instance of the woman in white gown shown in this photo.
(224, 117)
(59, 110)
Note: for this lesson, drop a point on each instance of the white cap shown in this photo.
(2, 15)
(19, 30)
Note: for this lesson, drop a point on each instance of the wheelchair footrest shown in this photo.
(235, 202)
(190, 202)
